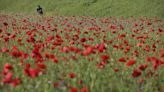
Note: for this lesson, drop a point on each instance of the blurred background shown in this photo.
(96, 8)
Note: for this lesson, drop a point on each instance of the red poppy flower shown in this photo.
(73, 89)
(136, 53)
(161, 55)
(87, 51)
(65, 49)
(8, 67)
(1, 30)
(72, 75)
(84, 89)
(16, 54)
(104, 57)
(136, 73)
(122, 59)
(4, 50)
(101, 47)
(33, 73)
(7, 78)
(27, 66)
(101, 65)
(116, 69)
(41, 66)
(80, 82)
(83, 40)
(143, 67)
(5, 24)
(49, 38)
(15, 82)
(55, 60)
(130, 62)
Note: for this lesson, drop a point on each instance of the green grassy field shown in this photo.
(80, 54)
(82, 46)
(98, 8)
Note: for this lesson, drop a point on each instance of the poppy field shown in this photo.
(81, 54)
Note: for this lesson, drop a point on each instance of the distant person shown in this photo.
(40, 10)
